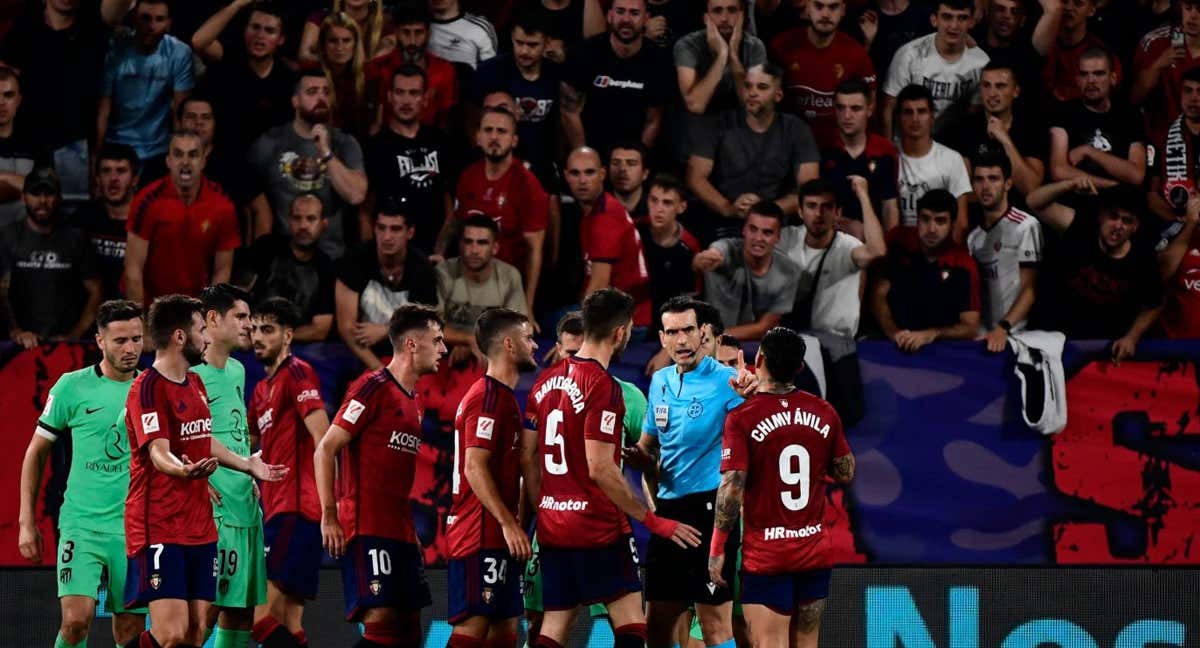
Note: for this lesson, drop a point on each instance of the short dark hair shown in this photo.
(408, 318)
(116, 310)
(414, 11)
(481, 221)
(1124, 198)
(993, 159)
(533, 22)
(269, 7)
(938, 201)
(727, 340)
(222, 297)
(308, 195)
(408, 70)
(605, 311)
(193, 98)
(571, 323)
(680, 304)
(630, 145)
(853, 86)
(772, 70)
(1004, 63)
(816, 187)
(492, 324)
(706, 313)
(783, 353)
(1098, 53)
(956, 5)
(1193, 73)
(307, 73)
(769, 209)
(280, 309)
(667, 182)
(171, 313)
(9, 74)
(914, 92)
(392, 205)
(116, 152)
(166, 3)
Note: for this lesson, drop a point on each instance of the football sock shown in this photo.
(630, 635)
(59, 643)
(464, 641)
(231, 638)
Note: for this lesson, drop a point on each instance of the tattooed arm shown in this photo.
(842, 469)
(729, 513)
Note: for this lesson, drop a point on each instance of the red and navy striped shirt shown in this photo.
(489, 418)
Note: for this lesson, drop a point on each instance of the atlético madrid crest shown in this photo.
(376, 587)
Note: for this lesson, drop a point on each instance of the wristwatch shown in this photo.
(1006, 325)
(324, 159)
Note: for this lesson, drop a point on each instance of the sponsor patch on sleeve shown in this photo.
(608, 422)
(484, 426)
(354, 409)
(150, 423)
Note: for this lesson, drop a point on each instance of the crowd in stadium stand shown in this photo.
(916, 170)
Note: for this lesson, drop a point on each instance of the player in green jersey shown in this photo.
(86, 404)
(241, 564)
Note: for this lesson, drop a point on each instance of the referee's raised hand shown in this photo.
(745, 382)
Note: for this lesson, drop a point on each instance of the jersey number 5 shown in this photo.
(794, 471)
(555, 465)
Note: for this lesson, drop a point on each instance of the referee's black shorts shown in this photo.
(677, 574)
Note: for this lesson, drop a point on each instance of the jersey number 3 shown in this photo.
(794, 471)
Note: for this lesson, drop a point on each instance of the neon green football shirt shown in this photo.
(226, 399)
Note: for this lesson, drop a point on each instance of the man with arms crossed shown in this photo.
(241, 577)
(288, 417)
(779, 447)
(379, 426)
(572, 469)
(86, 404)
(485, 538)
(170, 537)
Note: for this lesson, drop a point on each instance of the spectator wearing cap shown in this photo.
(473, 282)
(105, 219)
(58, 48)
(147, 74)
(375, 279)
(756, 153)
(410, 160)
(501, 188)
(1101, 282)
(749, 280)
(249, 86)
(929, 289)
(19, 152)
(182, 228)
(1097, 135)
(412, 48)
(308, 155)
(49, 287)
(292, 266)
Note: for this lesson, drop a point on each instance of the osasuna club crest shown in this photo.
(155, 581)
(376, 587)
(488, 595)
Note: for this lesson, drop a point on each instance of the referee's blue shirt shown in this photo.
(687, 414)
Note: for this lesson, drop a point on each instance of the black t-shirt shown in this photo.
(683, 17)
(59, 73)
(538, 125)
(971, 137)
(277, 273)
(561, 284)
(245, 105)
(420, 169)
(107, 236)
(19, 154)
(1111, 132)
(1025, 61)
(928, 293)
(46, 275)
(670, 269)
(895, 31)
(1088, 295)
(565, 24)
(377, 297)
(619, 91)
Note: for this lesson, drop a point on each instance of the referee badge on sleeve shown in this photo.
(662, 415)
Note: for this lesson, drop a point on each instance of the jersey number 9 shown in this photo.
(794, 471)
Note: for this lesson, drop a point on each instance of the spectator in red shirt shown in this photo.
(815, 59)
(501, 187)
(1062, 61)
(1159, 62)
(182, 228)
(612, 248)
(1180, 265)
(412, 42)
